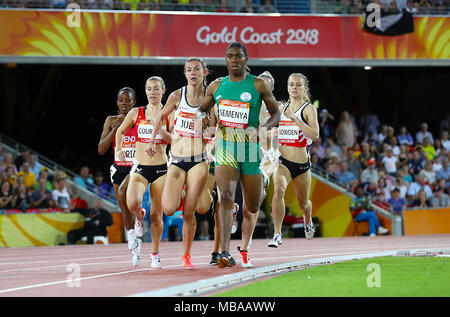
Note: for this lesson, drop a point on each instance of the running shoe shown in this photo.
(245, 260)
(214, 257)
(187, 262)
(156, 261)
(139, 225)
(225, 260)
(276, 241)
(382, 230)
(309, 230)
(266, 177)
(136, 254)
(235, 223)
(132, 240)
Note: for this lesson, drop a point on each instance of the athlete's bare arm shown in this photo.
(170, 106)
(312, 128)
(127, 123)
(109, 129)
(270, 101)
(208, 101)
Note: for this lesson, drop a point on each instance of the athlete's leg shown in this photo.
(302, 184)
(121, 195)
(281, 180)
(136, 188)
(173, 189)
(206, 199)
(227, 178)
(157, 225)
(195, 183)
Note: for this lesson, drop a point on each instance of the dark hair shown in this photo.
(130, 91)
(238, 45)
(243, 48)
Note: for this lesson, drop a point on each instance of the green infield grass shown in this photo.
(378, 277)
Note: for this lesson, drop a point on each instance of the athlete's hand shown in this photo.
(121, 155)
(119, 119)
(150, 149)
(289, 113)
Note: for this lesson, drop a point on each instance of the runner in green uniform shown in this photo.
(238, 97)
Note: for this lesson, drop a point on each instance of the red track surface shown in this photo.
(106, 270)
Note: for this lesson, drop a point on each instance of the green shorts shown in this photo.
(244, 156)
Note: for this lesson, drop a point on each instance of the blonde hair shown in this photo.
(267, 74)
(204, 66)
(306, 84)
(161, 81)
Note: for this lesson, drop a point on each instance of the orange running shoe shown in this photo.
(187, 262)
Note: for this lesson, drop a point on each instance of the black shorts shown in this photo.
(150, 172)
(295, 168)
(118, 173)
(187, 162)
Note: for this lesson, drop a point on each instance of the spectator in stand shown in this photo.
(405, 137)
(8, 161)
(346, 130)
(329, 170)
(96, 222)
(345, 178)
(83, 180)
(403, 155)
(315, 162)
(360, 208)
(249, 7)
(370, 174)
(343, 7)
(28, 177)
(390, 134)
(394, 146)
(383, 189)
(318, 147)
(411, 6)
(24, 156)
(10, 176)
(369, 124)
(428, 148)
(424, 133)
(416, 163)
(383, 133)
(417, 186)
(444, 172)
(438, 148)
(445, 141)
(421, 200)
(223, 7)
(390, 162)
(372, 189)
(103, 188)
(6, 195)
(402, 185)
(331, 147)
(439, 199)
(207, 6)
(44, 175)
(396, 202)
(428, 173)
(236, 5)
(358, 7)
(35, 166)
(267, 7)
(335, 161)
(353, 164)
(325, 124)
(366, 154)
(21, 198)
(61, 196)
(42, 197)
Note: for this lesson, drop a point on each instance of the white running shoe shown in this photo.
(156, 261)
(136, 254)
(266, 178)
(245, 260)
(276, 241)
(235, 223)
(132, 240)
(309, 230)
(382, 230)
(139, 225)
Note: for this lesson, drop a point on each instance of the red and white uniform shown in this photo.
(289, 133)
(128, 147)
(184, 117)
(144, 128)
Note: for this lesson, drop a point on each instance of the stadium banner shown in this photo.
(131, 35)
(44, 229)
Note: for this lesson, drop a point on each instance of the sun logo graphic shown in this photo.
(73, 19)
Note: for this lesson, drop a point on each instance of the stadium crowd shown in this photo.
(395, 167)
(440, 7)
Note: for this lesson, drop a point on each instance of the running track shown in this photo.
(106, 270)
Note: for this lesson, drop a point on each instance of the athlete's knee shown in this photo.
(134, 204)
(156, 218)
(226, 198)
(306, 205)
(279, 192)
(170, 206)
